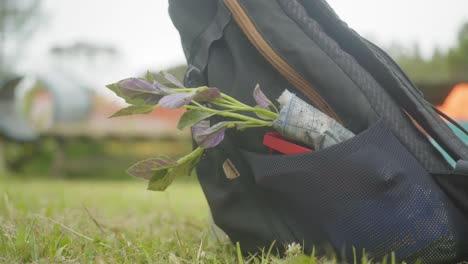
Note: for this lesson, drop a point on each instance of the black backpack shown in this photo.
(386, 189)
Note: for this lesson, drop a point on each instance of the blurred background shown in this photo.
(57, 56)
(64, 192)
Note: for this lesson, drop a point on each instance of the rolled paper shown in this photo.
(303, 122)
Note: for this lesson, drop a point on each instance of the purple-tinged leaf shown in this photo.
(146, 169)
(200, 127)
(260, 97)
(208, 137)
(172, 79)
(211, 140)
(207, 95)
(176, 100)
(137, 91)
(162, 88)
(136, 84)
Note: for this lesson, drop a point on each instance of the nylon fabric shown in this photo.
(373, 191)
(367, 192)
(378, 98)
(384, 70)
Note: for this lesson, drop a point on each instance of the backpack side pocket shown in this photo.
(367, 192)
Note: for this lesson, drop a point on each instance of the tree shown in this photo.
(420, 69)
(458, 56)
(442, 66)
(18, 21)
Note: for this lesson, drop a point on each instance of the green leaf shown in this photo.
(134, 110)
(243, 126)
(187, 168)
(149, 77)
(164, 176)
(182, 170)
(171, 78)
(162, 80)
(192, 117)
(149, 168)
(161, 181)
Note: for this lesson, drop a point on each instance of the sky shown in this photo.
(144, 35)
(430, 23)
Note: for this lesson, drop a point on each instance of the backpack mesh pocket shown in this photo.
(367, 192)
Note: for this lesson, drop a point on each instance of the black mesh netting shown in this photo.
(368, 192)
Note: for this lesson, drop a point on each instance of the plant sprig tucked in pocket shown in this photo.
(297, 120)
(146, 94)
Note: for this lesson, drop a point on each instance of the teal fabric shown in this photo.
(460, 134)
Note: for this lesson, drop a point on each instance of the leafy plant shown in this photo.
(145, 94)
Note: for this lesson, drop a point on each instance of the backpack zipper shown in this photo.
(296, 79)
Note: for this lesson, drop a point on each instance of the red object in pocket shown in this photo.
(275, 142)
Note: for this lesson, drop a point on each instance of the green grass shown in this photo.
(44, 221)
(83, 222)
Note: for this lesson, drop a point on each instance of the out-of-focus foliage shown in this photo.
(85, 157)
(438, 74)
(178, 71)
(442, 66)
(85, 48)
(458, 57)
(74, 152)
(420, 69)
(18, 21)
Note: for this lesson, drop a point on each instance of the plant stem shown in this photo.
(235, 102)
(276, 109)
(230, 106)
(229, 98)
(267, 113)
(229, 114)
(197, 152)
(198, 104)
(184, 90)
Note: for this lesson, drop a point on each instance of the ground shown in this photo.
(60, 221)
(54, 221)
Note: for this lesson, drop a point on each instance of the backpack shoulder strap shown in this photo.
(422, 111)
(390, 76)
(326, 66)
